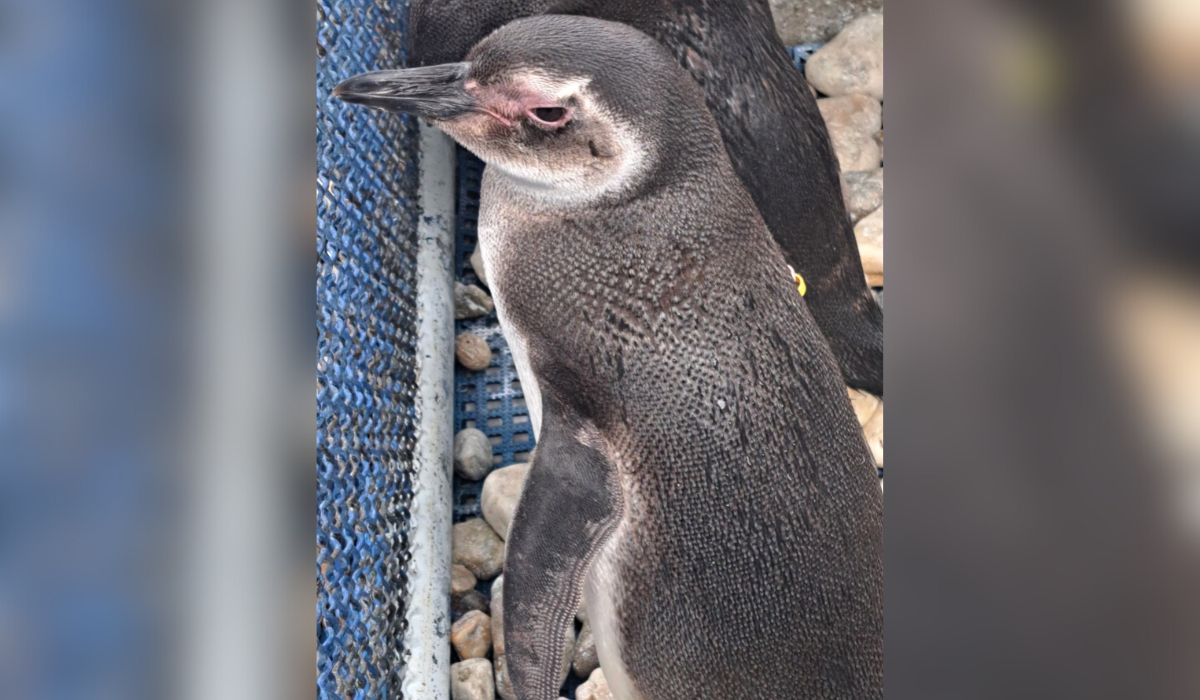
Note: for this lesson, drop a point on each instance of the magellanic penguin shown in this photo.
(700, 470)
(769, 120)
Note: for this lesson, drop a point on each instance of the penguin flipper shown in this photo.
(569, 507)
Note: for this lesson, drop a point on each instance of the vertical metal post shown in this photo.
(427, 674)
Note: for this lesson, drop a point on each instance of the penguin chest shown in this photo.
(492, 250)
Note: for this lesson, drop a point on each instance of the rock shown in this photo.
(873, 432)
(865, 404)
(879, 140)
(476, 261)
(498, 616)
(472, 351)
(471, 302)
(594, 688)
(852, 121)
(801, 21)
(479, 548)
(461, 580)
(869, 234)
(585, 660)
(472, 680)
(471, 635)
(501, 493)
(504, 686)
(863, 192)
(465, 603)
(852, 61)
(472, 454)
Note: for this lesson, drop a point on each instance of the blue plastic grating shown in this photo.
(366, 378)
(490, 400)
(802, 52)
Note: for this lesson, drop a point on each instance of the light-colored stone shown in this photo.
(471, 635)
(461, 580)
(862, 191)
(472, 680)
(504, 686)
(498, 615)
(869, 234)
(479, 548)
(852, 121)
(585, 660)
(801, 21)
(476, 261)
(471, 302)
(865, 404)
(858, 112)
(472, 454)
(873, 432)
(852, 61)
(472, 351)
(594, 688)
(501, 493)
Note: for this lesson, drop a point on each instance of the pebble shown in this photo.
(873, 432)
(852, 61)
(472, 351)
(472, 454)
(461, 580)
(479, 548)
(476, 261)
(471, 635)
(504, 687)
(594, 688)
(852, 121)
(869, 234)
(585, 660)
(471, 302)
(865, 404)
(801, 21)
(501, 494)
(498, 616)
(863, 192)
(472, 680)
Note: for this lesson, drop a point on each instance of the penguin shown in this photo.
(700, 479)
(768, 119)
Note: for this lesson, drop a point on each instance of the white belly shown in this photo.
(602, 617)
(516, 341)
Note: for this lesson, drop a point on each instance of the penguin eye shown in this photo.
(550, 116)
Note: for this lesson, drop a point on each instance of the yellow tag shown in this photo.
(800, 285)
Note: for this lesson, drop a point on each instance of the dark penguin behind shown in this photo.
(768, 119)
(700, 471)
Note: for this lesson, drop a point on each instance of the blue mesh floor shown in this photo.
(490, 400)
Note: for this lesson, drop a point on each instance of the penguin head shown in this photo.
(569, 108)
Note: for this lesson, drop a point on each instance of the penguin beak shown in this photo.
(432, 92)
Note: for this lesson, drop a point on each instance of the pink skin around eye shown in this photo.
(507, 104)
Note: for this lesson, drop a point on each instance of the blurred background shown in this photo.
(157, 347)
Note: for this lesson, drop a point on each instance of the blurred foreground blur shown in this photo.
(157, 350)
